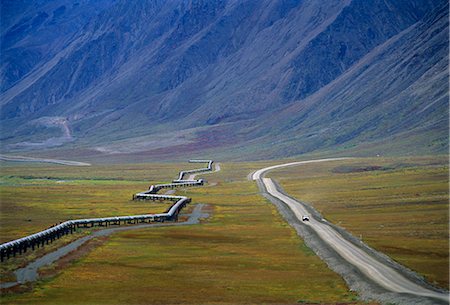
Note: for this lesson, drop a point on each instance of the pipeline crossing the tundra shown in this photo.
(49, 235)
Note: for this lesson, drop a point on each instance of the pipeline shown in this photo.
(21, 245)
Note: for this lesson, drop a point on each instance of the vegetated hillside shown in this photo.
(233, 77)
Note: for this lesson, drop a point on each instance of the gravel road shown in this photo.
(29, 159)
(373, 275)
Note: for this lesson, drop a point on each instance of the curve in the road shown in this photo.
(382, 274)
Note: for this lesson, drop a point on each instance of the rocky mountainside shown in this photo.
(239, 78)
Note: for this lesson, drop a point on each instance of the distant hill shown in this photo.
(238, 79)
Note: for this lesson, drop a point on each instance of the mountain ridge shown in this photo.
(257, 72)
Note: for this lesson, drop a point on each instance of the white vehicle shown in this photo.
(305, 218)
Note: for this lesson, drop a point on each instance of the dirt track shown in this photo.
(29, 159)
(30, 272)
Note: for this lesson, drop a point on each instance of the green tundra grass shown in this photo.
(399, 206)
(243, 253)
(35, 196)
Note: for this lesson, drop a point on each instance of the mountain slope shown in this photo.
(398, 91)
(32, 33)
(200, 75)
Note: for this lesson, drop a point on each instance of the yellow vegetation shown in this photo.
(401, 208)
(243, 253)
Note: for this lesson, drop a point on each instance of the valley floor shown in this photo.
(243, 253)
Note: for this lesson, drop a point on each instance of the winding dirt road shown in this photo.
(382, 274)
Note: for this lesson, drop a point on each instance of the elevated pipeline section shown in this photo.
(150, 194)
(49, 235)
